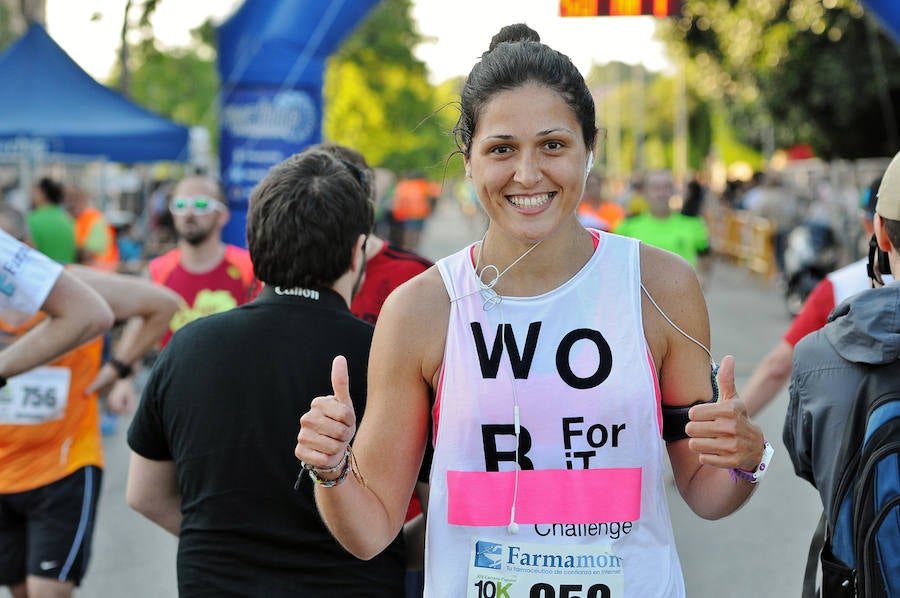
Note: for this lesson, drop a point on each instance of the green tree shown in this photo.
(378, 98)
(179, 83)
(813, 71)
(628, 109)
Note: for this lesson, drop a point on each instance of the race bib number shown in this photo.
(35, 397)
(520, 570)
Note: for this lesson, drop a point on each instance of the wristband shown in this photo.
(122, 369)
(756, 475)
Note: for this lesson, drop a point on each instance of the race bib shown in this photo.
(519, 570)
(35, 397)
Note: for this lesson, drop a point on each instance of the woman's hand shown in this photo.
(328, 427)
(722, 433)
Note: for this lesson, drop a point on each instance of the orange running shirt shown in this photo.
(47, 433)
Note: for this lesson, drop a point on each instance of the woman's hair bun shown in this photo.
(520, 32)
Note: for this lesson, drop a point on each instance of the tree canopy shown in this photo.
(798, 71)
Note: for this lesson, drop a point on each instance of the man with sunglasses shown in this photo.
(210, 275)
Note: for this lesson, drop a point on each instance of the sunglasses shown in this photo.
(199, 205)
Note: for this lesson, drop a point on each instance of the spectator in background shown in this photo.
(210, 275)
(634, 200)
(773, 372)
(51, 229)
(595, 211)
(752, 192)
(414, 199)
(131, 249)
(95, 239)
(780, 206)
(694, 198)
(686, 236)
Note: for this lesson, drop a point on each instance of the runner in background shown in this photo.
(50, 448)
(30, 281)
(659, 226)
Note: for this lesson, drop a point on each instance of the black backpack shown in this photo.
(860, 544)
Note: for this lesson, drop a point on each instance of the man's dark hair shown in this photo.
(52, 190)
(348, 154)
(304, 220)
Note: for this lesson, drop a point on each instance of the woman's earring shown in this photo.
(468, 173)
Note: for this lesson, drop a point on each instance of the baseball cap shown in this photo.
(889, 191)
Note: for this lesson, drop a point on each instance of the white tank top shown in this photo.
(590, 507)
(852, 279)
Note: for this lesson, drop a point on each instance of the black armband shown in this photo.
(674, 419)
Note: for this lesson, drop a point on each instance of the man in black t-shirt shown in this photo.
(212, 440)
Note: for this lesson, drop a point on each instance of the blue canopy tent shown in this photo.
(272, 56)
(49, 105)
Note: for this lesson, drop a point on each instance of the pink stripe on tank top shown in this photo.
(484, 498)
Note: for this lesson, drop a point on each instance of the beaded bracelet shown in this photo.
(341, 464)
(347, 464)
(314, 472)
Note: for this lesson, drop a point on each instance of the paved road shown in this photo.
(758, 551)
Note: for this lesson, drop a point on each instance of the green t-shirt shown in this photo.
(685, 235)
(53, 233)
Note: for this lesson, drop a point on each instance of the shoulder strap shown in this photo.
(812, 560)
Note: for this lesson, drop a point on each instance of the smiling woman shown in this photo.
(565, 428)
(530, 173)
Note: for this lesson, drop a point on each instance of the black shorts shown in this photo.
(46, 532)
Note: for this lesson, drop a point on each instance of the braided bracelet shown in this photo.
(347, 464)
(341, 464)
(314, 473)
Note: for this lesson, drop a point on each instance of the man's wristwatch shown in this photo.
(122, 369)
(757, 474)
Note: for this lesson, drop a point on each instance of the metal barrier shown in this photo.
(746, 239)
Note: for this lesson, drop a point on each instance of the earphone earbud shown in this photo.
(590, 164)
(513, 527)
(468, 173)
